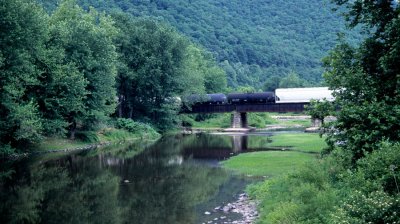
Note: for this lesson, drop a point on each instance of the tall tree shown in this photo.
(22, 36)
(87, 40)
(366, 79)
(157, 65)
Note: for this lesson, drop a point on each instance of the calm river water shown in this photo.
(175, 180)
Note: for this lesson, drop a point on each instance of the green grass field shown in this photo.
(270, 163)
(273, 163)
(307, 142)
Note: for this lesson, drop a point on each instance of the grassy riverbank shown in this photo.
(295, 175)
(84, 139)
(299, 149)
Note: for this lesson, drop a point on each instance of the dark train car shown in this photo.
(251, 98)
(207, 99)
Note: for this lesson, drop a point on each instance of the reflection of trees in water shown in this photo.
(207, 146)
(81, 189)
(169, 194)
(222, 146)
(50, 194)
(164, 190)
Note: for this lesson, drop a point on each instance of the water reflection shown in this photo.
(223, 146)
(172, 181)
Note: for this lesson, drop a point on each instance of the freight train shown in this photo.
(289, 95)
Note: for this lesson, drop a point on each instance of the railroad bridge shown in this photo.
(239, 104)
(239, 111)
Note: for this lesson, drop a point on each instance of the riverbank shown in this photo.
(244, 206)
(296, 151)
(87, 141)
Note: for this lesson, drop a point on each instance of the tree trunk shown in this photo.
(72, 130)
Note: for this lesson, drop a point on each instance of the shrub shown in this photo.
(305, 196)
(383, 166)
(87, 136)
(135, 127)
(375, 207)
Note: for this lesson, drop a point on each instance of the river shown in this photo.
(176, 180)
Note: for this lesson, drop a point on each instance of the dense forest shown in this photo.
(72, 70)
(254, 41)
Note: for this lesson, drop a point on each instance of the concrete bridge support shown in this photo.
(239, 120)
(315, 122)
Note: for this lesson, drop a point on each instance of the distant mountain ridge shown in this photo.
(253, 40)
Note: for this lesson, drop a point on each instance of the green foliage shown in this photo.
(213, 121)
(251, 43)
(304, 196)
(371, 193)
(320, 109)
(259, 120)
(135, 127)
(272, 83)
(87, 136)
(291, 80)
(374, 207)
(58, 72)
(87, 38)
(22, 35)
(366, 79)
(329, 191)
(6, 150)
(157, 65)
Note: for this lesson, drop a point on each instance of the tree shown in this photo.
(291, 80)
(87, 40)
(320, 109)
(366, 79)
(157, 65)
(22, 37)
(272, 83)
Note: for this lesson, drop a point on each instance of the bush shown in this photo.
(135, 127)
(187, 121)
(259, 120)
(5, 150)
(305, 196)
(383, 167)
(370, 194)
(87, 136)
(374, 207)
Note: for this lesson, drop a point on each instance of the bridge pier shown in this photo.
(239, 120)
(315, 122)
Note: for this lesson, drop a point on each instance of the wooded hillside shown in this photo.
(253, 40)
